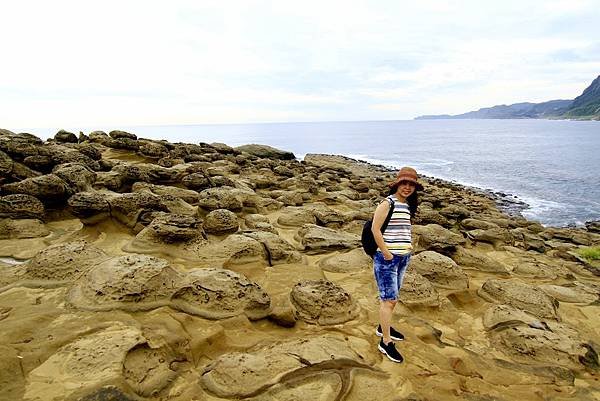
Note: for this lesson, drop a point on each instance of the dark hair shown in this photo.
(412, 200)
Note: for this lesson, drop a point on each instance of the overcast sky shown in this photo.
(93, 64)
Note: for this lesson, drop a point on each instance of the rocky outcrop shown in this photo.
(442, 271)
(265, 151)
(322, 302)
(520, 295)
(21, 206)
(434, 237)
(317, 239)
(221, 221)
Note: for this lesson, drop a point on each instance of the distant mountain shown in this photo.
(584, 107)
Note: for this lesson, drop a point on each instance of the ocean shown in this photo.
(552, 165)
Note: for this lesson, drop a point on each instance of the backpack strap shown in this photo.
(389, 215)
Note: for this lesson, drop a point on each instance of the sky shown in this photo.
(93, 64)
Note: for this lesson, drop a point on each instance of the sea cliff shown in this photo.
(136, 269)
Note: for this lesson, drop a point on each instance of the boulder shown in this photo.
(427, 216)
(153, 149)
(117, 134)
(455, 212)
(316, 239)
(322, 302)
(265, 151)
(187, 195)
(278, 250)
(495, 236)
(221, 221)
(197, 181)
(520, 295)
(170, 228)
(326, 216)
(434, 237)
(78, 177)
(62, 263)
(442, 271)
(296, 217)
(21, 206)
(216, 293)
(50, 189)
(90, 207)
(593, 226)
(347, 262)
(473, 259)
(65, 136)
(501, 316)
(474, 224)
(572, 292)
(418, 291)
(220, 198)
(127, 208)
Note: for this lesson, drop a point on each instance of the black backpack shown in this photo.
(367, 239)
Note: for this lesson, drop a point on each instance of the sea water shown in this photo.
(552, 165)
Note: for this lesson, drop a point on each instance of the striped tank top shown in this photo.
(397, 235)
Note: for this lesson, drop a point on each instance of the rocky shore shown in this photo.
(136, 269)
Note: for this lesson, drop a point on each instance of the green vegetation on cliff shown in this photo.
(584, 107)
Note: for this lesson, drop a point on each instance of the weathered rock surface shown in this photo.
(49, 189)
(221, 221)
(520, 295)
(22, 228)
(473, 259)
(317, 239)
(434, 237)
(418, 291)
(271, 371)
(323, 302)
(442, 271)
(265, 151)
(21, 206)
(346, 262)
(278, 250)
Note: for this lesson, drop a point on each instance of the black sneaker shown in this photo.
(390, 351)
(394, 335)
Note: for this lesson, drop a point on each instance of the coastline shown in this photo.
(167, 271)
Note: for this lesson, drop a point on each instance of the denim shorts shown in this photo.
(389, 274)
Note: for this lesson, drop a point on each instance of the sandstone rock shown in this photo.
(494, 236)
(127, 208)
(418, 291)
(117, 134)
(572, 293)
(21, 206)
(296, 217)
(123, 143)
(265, 151)
(99, 137)
(522, 296)
(283, 316)
(555, 345)
(440, 270)
(317, 239)
(153, 149)
(347, 262)
(221, 221)
(269, 371)
(90, 151)
(471, 258)
(22, 228)
(278, 250)
(322, 302)
(62, 263)
(171, 228)
(77, 176)
(427, 216)
(219, 293)
(455, 212)
(196, 181)
(90, 207)
(131, 282)
(65, 136)
(499, 316)
(475, 224)
(436, 238)
(220, 198)
(593, 226)
(187, 195)
(50, 189)
(87, 363)
(326, 216)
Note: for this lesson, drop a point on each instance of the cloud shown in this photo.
(184, 61)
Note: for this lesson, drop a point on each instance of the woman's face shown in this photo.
(406, 188)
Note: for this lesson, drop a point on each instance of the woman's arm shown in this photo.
(378, 219)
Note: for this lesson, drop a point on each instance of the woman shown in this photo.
(393, 253)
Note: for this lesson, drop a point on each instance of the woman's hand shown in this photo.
(387, 255)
